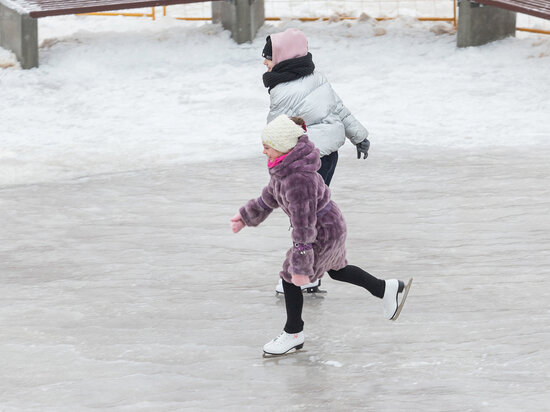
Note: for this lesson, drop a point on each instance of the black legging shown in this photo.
(294, 298)
(328, 165)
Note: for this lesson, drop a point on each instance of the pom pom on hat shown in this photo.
(282, 134)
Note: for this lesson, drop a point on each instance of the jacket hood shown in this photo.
(288, 44)
(304, 157)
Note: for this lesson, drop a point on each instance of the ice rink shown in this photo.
(129, 292)
(125, 154)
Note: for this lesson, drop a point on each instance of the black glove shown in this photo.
(363, 148)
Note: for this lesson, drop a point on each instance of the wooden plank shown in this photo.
(538, 8)
(43, 8)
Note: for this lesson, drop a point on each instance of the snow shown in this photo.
(118, 94)
(124, 155)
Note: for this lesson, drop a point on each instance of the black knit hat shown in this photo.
(267, 53)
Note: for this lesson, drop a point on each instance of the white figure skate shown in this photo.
(284, 343)
(392, 306)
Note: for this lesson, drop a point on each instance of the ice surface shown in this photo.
(129, 292)
(123, 289)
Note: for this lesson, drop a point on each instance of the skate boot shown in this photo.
(279, 288)
(312, 287)
(392, 306)
(284, 343)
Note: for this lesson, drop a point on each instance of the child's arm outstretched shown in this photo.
(255, 211)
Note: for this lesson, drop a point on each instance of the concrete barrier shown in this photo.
(19, 33)
(242, 17)
(479, 24)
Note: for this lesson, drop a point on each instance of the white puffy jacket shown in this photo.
(328, 121)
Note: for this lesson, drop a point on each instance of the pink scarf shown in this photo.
(272, 164)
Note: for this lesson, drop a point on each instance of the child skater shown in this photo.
(295, 88)
(318, 228)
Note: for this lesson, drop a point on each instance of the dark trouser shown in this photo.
(328, 165)
(294, 298)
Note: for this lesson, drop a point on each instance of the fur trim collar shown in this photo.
(304, 157)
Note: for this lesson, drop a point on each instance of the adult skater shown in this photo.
(318, 228)
(296, 89)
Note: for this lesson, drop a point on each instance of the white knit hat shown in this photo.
(282, 134)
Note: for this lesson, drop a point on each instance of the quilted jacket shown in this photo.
(328, 121)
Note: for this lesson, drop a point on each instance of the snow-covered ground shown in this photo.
(115, 94)
(123, 156)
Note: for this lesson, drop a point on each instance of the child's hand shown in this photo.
(300, 280)
(363, 149)
(237, 223)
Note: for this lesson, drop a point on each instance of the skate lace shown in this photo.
(278, 338)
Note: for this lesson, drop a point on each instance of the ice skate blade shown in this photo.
(405, 293)
(288, 352)
(313, 291)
